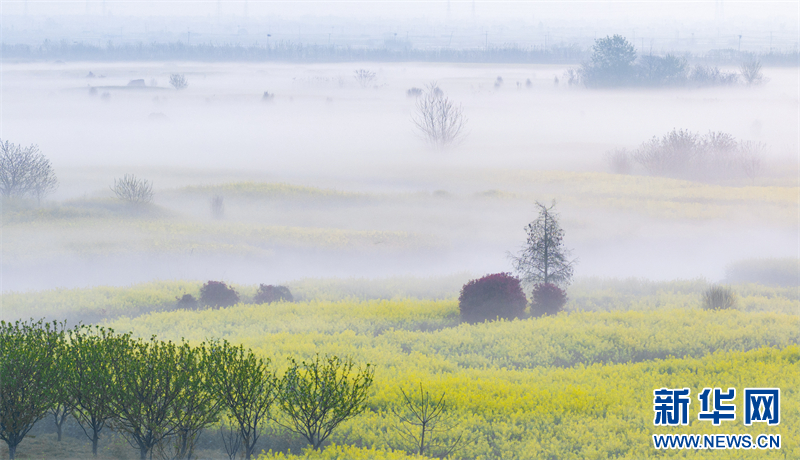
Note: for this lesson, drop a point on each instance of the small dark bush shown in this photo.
(414, 92)
(719, 298)
(218, 294)
(270, 293)
(187, 302)
(218, 207)
(548, 299)
(499, 295)
(620, 161)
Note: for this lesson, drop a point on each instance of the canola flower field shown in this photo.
(578, 385)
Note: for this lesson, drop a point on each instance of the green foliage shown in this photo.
(89, 376)
(245, 386)
(151, 379)
(197, 407)
(319, 394)
(719, 298)
(31, 370)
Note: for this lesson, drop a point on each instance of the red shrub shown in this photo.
(548, 299)
(218, 294)
(498, 295)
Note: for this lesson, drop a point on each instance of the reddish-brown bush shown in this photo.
(270, 293)
(498, 295)
(218, 294)
(548, 299)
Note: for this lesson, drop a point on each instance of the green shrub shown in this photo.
(719, 298)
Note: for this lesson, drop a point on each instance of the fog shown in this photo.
(366, 196)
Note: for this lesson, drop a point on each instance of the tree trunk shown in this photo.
(95, 438)
(12, 451)
(422, 441)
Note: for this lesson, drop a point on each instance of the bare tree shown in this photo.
(25, 171)
(425, 422)
(364, 77)
(751, 72)
(133, 190)
(178, 80)
(751, 157)
(439, 119)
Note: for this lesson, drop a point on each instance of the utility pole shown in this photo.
(740, 44)
(487, 41)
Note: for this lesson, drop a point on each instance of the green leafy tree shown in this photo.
(318, 395)
(90, 376)
(29, 376)
(149, 382)
(197, 407)
(245, 386)
(64, 406)
(544, 259)
(611, 63)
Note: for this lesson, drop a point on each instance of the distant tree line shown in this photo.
(614, 62)
(159, 395)
(289, 51)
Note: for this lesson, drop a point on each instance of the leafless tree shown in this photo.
(364, 77)
(178, 80)
(751, 157)
(439, 119)
(425, 423)
(751, 72)
(25, 171)
(133, 190)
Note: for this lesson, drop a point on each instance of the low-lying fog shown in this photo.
(431, 212)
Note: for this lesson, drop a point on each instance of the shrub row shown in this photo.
(500, 296)
(215, 294)
(160, 395)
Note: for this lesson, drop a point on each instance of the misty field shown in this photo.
(552, 387)
(325, 187)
